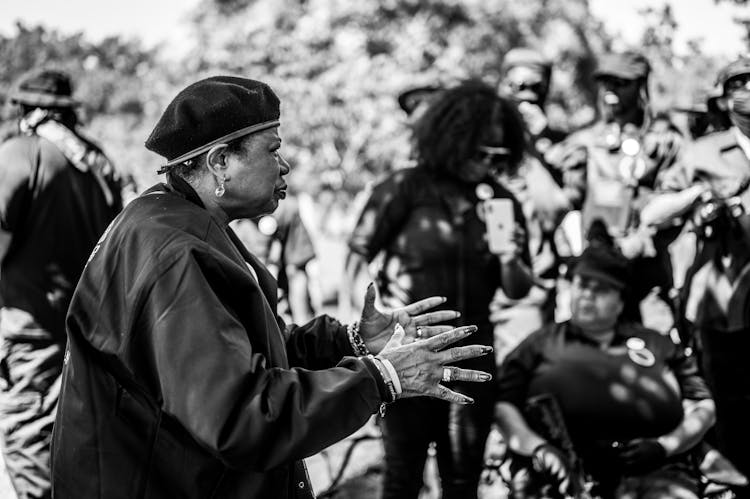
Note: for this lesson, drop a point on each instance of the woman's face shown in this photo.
(255, 176)
(491, 155)
(595, 305)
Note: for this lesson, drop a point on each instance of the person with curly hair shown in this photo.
(428, 222)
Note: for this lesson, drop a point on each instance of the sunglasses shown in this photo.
(614, 82)
(493, 156)
(737, 83)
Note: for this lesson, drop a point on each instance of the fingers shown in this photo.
(424, 332)
(435, 317)
(397, 338)
(441, 392)
(442, 340)
(458, 374)
(423, 305)
(370, 295)
(462, 353)
(564, 486)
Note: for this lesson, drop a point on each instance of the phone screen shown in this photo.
(500, 224)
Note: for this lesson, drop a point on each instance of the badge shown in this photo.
(635, 343)
(630, 146)
(484, 191)
(267, 225)
(638, 352)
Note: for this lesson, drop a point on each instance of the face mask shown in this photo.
(740, 110)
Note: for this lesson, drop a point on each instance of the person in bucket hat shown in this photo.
(58, 193)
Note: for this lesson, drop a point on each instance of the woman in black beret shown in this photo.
(430, 223)
(180, 379)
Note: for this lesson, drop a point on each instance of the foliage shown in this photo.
(338, 67)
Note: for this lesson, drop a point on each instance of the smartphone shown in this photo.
(500, 224)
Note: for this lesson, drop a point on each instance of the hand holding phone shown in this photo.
(500, 225)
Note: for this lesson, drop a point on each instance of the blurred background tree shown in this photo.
(338, 67)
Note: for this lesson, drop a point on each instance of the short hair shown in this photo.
(189, 169)
(449, 132)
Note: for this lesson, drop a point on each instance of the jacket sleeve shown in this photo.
(221, 385)
(319, 344)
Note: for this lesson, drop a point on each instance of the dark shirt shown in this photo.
(434, 242)
(55, 213)
(604, 395)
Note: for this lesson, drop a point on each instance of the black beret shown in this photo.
(738, 67)
(627, 65)
(209, 112)
(602, 259)
(44, 88)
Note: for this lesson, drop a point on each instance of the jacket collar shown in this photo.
(267, 283)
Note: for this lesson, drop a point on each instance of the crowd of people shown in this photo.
(168, 346)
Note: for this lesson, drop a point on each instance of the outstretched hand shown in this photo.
(376, 327)
(421, 365)
(550, 461)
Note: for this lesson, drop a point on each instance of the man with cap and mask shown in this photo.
(610, 167)
(526, 77)
(180, 380)
(58, 192)
(709, 190)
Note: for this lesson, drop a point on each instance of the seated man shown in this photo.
(631, 400)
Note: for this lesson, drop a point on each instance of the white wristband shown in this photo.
(392, 373)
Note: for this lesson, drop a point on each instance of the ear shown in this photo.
(216, 160)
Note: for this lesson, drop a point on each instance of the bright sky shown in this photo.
(151, 20)
(696, 19)
(164, 20)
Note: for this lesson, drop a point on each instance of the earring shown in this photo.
(220, 189)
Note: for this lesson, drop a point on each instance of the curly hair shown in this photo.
(459, 120)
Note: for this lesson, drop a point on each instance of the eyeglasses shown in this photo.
(519, 86)
(737, 83)
(493, 156)
(614, 82)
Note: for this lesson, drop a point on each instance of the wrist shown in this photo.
(359, 348)
(386, 377)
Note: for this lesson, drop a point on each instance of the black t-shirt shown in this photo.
(633, 389)
(55, 214)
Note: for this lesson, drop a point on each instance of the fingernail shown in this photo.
(444, 299)
(485, 377)
(468, 401)
(486, 350)
(470, 329)
(457, 314)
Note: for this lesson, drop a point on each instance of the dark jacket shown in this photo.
(177, 381)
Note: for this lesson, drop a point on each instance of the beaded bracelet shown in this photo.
(355, 340)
